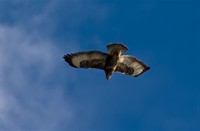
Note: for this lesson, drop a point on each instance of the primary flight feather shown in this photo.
(113, 61)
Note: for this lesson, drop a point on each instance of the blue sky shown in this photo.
(40, 92)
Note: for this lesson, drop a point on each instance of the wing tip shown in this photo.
(68, 59)
(146, 68)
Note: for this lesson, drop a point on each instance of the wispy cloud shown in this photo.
(49, 17)
(31, 96)
(40, 92)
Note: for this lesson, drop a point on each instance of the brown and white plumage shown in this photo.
(131, 66)
(114, 61)
(112, 48)
(87, 59)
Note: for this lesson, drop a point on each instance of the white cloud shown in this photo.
(28, 101)
(31, 96)
(47, 17)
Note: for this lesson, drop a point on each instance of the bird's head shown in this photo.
(108, 74)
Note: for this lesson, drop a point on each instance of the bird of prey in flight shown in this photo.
(113, 61)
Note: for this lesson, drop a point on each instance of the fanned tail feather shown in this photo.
(117, 47)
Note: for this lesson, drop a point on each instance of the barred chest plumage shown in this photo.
(111, 63)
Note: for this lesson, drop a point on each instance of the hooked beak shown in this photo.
(108, 74)
(108, 77)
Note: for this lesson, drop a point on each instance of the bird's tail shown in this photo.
(117, 47)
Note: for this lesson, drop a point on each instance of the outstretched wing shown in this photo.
(117, 47)
(89, 59)
(131, 66)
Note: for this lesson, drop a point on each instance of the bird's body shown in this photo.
(113, 57)
(114, 61)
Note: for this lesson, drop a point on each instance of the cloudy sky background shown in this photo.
(39, 91)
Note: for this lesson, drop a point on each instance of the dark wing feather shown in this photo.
(88, 59)
(131, 66)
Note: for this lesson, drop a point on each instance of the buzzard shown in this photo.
(113, 61)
